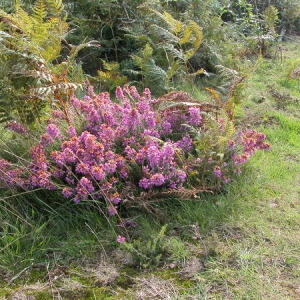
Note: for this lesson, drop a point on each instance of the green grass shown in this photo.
(241, 244)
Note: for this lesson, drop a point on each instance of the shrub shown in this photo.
(108, 151)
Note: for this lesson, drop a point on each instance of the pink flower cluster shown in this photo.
(120, 143)
(251, 140)
(17, 127)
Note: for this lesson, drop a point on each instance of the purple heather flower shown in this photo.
(109, 118)
(57, 158)
(153, 155)
(90, 90)
(147, 94)
(58, 114)
(130, 153)
(82, 168)
(53, 130)
(72, 131)
(110, 166)
(226, 179)
(17, 127)
(145, 183)
(129, 141)
(123, 173)
(88, 140)
(114, 198)
(186, 143)
(134, 93)
(157, 179)
(217, 171)
(195, 116)
(98, 173)
(166, 127)
(177, 178)
(231, 144)
(14, 178)
(68, 156)
(67, 192)
(41, 178)
(39, 159)
(112, 210)
(106, 135)
(4, 165)
(242, 158)
(151, 132)
(121, 239)
(131, 119)
(119, 93)
(150, 119)
(143, 106)
(76, 199)
(84, 187)
(93, 116)
(167, 153)
(46, 139)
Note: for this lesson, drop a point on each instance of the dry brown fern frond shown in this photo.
(234, 84)
(182, 100)
(177, 96)
(149, 201)
(152, 196)
(186, 194)
(215, 96)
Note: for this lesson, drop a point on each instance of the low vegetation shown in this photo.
(110, 190)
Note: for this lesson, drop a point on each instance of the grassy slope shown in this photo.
(243, 244)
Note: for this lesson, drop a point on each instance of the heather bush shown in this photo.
(110, 152)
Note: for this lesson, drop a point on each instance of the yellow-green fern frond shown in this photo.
(196, 39)
(22, 20)
(174, 25)
(147, 51)
(271, 17)
(55, 7)
(185, 35)
(39, 11)
(111, 77)
(230, 129)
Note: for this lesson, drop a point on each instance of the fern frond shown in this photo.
(196, 39)
(229, 129)
(271, 17)
(55, 7)
(185, 194)
(182, 101)
(156, 72)
(48, 90)
(172, 70)
(39, 11)
(215, 95)
(23, 21)
(226, 73)
(174, 25)
(166, 35)
(185, 35)
(198, 72)
(179, 54)
(75, 49)
(147, 51)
